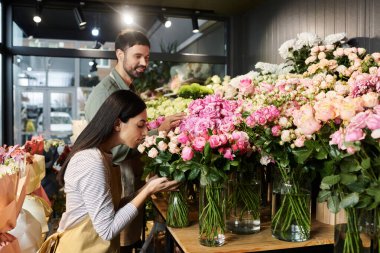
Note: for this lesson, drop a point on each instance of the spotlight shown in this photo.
(29, 69)
(37, 15)
(94, 65)
(95, 31)
(79, 17)
(165, 21)
(99, 43)
(194, 21)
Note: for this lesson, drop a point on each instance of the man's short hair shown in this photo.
(128, 38)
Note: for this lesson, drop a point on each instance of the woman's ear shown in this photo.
(117, 125)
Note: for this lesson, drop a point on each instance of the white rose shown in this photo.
(285, 135)
(141, 148)
(162, 146)
(265, 160)
(153, 153)
(370, 99)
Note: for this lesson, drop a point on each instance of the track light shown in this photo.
(93, 65)
(37, 15)
(79, 17)
(194, 21)
(165, 21)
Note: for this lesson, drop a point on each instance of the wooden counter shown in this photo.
(187, 238)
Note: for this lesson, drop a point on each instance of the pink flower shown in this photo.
(305, 121)
(214, 141)
(300, 141)
(183, 138)
(246, 87)
(199, 143)
(223, 139)
(337, 139)
(354, 134)
(370, 99)
(228, 154)
(373, 121)
(162, 146)
(276, 130)
(325, 110)
(359, 120)
(187, 154)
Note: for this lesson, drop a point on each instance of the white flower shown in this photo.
(375, 134)
(286, 47)
(334, 38)
(267, 68)
(162, 134)
(141, 148)
(285, 136)
(265, 160)
(153, 153)
(215, 79)
(162, 146)
(306, 39)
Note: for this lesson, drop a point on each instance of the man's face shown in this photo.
(136, 60)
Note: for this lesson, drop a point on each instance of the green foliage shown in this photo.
(194, 91)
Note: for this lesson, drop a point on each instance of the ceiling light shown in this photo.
(37, 15)
(95, 31)
(79, 17)
(29, 69)
(194, 21)
(127, 18)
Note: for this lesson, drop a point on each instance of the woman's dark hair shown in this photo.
(123, 105)
(128, 38)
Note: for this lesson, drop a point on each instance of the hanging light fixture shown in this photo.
(94, 66)
(37, 15)
(194, 21)
(79, 17)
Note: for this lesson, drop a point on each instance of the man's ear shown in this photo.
(119, 55)
(117, 125)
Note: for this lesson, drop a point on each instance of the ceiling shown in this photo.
(58, 20)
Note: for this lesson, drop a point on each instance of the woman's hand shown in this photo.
(171, 122)
(161, 184)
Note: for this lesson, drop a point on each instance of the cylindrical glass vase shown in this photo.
(243, 206)
(212, 207)
(177, 215)
(357, 232)
(291, 212)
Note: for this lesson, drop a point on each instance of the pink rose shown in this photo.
(373, 121)
(246, 87)
(305, 121)
(214, 141)
(354, 134)
(359, 120)
(300, 141)
(337, 138)
(199, 143)
(371, 99)
(228, 154)
(223, 139)
(325, 110)
(276, 130)
(187, 154)
(162, 146)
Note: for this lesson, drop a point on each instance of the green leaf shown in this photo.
(321, 154)
(323, 195)
(331, 180)
(349, 200)
(364, 201)
(374, 191)
(333, 204)
(350, 165)
(302, 154)
(207, 152)
(347, 179)
(164, 171)
(366, 163)
(193, 174)
(179, 176)
(324, 186)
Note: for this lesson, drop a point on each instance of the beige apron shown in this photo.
(83, 237)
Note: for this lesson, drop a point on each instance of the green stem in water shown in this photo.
(178, 211)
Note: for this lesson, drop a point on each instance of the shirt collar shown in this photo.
(119, 81)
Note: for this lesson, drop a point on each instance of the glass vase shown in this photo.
(177, 215)
(291, 212)
(212, 206)
(243, 207)
(358, 232)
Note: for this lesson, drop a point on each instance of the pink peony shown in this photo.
(228, 154)
(183, 138)
(373, 121)
(305, 121)
(246, 87)
(199, 143)
(214, 141)
(325, 110)
(354, 134)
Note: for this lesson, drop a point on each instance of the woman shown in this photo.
(92, 221)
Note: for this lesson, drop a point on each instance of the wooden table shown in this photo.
(322, 237)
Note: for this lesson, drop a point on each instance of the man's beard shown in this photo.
(134, 73)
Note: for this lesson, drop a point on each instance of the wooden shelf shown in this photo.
(187, 238)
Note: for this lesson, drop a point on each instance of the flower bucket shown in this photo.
(243, 207)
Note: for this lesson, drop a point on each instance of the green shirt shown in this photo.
(111, 83)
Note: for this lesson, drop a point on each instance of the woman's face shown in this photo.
(134, 131)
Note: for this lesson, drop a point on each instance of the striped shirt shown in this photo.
(87, 188)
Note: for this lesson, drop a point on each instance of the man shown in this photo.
(132, 52)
